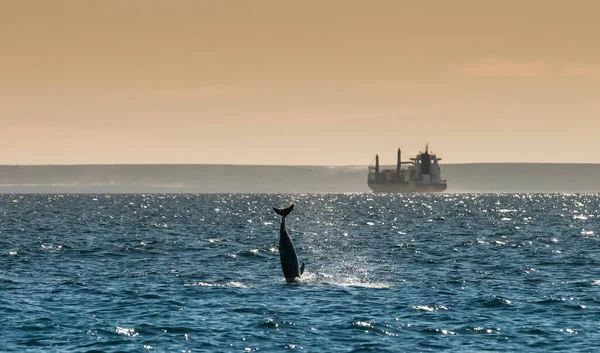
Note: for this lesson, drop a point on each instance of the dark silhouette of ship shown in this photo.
(422, 174)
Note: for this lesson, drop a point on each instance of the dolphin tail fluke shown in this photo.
(283, 212)
(302, 269)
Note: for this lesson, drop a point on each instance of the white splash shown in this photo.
(208, 284)
(429, 308)
(126, 331)
(309, 277)
(363, 324)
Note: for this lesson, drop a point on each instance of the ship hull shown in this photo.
(407, 188)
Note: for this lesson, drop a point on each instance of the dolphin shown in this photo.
(287, 253)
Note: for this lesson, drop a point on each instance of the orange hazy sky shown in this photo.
(298, 82)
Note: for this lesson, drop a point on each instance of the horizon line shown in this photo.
(273, 165)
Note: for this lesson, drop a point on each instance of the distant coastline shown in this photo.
(213, 178)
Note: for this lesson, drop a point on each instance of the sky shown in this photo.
(298, 82)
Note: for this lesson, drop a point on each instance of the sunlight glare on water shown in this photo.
(384, 273)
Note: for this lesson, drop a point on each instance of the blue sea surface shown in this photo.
(384, 273)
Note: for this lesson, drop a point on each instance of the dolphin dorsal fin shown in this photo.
(283, 212)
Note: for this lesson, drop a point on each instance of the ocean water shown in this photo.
(384, 273)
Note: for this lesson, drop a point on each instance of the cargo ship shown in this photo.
(421, 174)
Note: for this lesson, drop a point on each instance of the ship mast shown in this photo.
(398, 165)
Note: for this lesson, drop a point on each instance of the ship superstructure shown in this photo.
(420, 174)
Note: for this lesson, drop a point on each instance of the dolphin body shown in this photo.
(287, 253)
